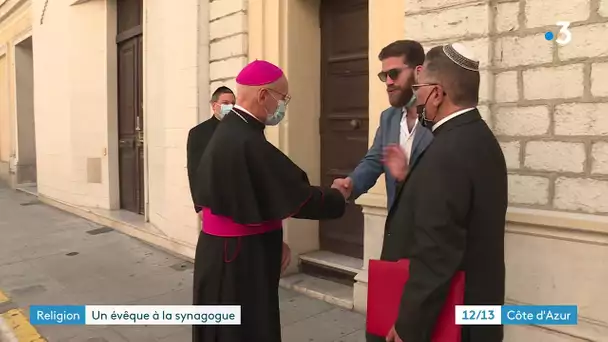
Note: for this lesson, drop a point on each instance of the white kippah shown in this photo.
(462, 56)
(463, 51)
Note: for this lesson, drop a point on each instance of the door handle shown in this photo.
(355, 123)
(126, 143)
(140, 138)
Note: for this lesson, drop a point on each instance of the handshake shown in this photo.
(395, 162)
(344, 185)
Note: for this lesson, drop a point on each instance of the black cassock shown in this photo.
(245, 178)
(450, 215)
(198, 138)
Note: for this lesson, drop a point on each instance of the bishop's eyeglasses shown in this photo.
(284, 97)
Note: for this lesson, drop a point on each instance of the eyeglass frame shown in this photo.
(417, 86)
(286, 97)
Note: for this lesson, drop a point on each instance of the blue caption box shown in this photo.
(539, 314)
(57, 314)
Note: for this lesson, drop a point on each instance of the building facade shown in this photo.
(546, 103)
(118, 85)
(17, 129)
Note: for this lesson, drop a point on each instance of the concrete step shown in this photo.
(328, 291)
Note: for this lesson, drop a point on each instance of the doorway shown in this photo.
(130, 109)
(24, 101)
(344, 112)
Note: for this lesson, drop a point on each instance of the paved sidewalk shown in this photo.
(51, 257)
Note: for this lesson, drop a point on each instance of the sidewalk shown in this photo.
(51, 257)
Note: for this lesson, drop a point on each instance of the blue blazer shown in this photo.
(371, 167)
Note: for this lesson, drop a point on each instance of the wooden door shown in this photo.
(130, 99)
(344, 112)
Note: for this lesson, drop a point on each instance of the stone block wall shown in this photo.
(227, 41)
(547, 104)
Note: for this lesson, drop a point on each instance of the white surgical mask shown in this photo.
(225, 109)
(278, 115)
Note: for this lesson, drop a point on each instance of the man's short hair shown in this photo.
(461, 85)
(219, 91)
(411, 51)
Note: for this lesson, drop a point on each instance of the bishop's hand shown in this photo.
(396, 161)
(342, 190)
(344, 185)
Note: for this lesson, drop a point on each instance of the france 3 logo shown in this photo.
(564, 36)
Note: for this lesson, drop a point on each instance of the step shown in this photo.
(325, 290)
(335, 261)
(326, 276)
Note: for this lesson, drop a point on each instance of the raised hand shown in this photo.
(396, 161)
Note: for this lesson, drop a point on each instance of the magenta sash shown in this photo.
(224, 226)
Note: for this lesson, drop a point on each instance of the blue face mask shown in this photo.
(278, 115)
(224, 109)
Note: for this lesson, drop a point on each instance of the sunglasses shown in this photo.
(392, 73)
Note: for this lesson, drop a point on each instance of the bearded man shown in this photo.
(398, 124)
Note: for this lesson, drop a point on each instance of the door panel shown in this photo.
(129, 126)
(130, 97)
(344, 112)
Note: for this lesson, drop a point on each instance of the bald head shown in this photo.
(261, 86)
(246, 91)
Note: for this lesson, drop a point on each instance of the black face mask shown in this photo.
(421, 110)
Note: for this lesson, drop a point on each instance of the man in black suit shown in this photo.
(222, 101)
(450, 210)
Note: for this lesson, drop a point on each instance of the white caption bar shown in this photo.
(478, 314)
(162, 315)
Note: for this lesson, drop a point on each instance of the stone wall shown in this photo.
(227, 41)
(549, 103)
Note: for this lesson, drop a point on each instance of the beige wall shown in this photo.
(5, 126)
(173, 74)
(15, 22)
(24, 111)
(76, 105)
(75, 102)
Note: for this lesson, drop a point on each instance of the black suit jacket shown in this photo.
(449, 215)
(198, 138)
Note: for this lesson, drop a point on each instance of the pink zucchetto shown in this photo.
(259, 73)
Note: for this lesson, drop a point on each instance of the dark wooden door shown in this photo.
(130, 107)
(344, 112)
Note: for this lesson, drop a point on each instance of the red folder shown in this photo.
(386, 280)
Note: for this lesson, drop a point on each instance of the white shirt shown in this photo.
(406, 137)
(451, 116)
(244, 110)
